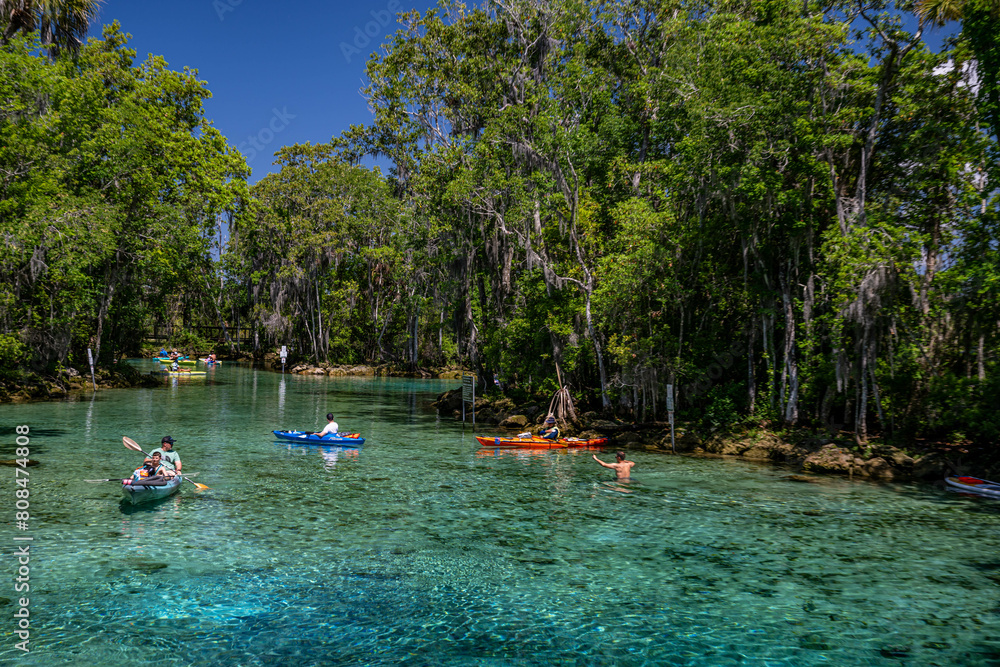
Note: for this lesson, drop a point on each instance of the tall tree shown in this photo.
(62, 24)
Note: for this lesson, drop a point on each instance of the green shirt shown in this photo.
(171, 458)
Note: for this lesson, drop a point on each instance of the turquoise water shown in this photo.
(419, 548)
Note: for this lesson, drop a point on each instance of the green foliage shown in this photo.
(191, 341)
(781, 213)
(12, 351)
(725, 406)
(115, 181)
(323, 252)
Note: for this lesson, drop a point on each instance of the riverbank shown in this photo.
(273, 362)
(805, 450)
(19, 386)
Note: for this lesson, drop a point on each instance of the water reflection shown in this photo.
(90, 416)
(530, 454)
(281, 396)
(330, 455)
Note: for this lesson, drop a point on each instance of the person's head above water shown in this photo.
(620, 455)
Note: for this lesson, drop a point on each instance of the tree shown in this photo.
(113, 184)
(62, 24)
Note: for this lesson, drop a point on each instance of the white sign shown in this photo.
(284, 353)
(467, 383)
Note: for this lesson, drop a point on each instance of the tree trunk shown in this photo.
(751, 381)
(861, 422)
(605, 400)
(979, 359)
(790, 368)
(102, 313)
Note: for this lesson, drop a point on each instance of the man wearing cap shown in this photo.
(171, 459)
(550, 431)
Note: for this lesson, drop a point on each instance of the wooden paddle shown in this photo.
(118, 479)
(134, 446)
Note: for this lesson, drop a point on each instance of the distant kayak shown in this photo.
(181, 373)
(538, 442)
(210, 362)
(182, 362)
(975, 485)
(301, 437)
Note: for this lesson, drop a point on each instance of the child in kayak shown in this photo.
(151, 473)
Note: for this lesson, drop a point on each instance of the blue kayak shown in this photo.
(301, 437)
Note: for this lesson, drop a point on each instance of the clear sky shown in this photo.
(280, 72)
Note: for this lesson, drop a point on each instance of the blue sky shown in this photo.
(280, 73)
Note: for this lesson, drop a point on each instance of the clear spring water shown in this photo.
(419, 548)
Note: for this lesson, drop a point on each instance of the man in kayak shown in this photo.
(331, 426)
(621, 467)
(166, 451)
(550, 431)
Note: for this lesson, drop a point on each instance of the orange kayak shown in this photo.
(536, 442)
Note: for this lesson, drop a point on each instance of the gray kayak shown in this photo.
(136, 493)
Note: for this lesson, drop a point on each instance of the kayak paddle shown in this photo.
(134, 446)
(118, 479)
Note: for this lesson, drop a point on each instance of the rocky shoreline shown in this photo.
(70, 383)
(360, 370)
(802, 450)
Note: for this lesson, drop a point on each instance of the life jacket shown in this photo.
(148, 471)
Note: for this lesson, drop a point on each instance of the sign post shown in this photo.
(670, 415)
(469, 394)
(284, 356)
(90, 358)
